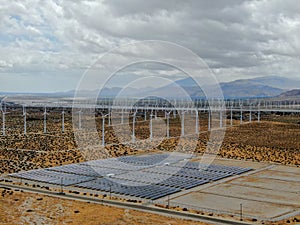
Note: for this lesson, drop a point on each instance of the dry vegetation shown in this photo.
(275, 139)
(266, 141)
(23, 208)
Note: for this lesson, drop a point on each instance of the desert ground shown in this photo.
(23, 208)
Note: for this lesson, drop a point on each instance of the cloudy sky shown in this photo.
(46, 46)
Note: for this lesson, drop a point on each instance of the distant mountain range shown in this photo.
(295, 93)
(261, 87)
(277, 82)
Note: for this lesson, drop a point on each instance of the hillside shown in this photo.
(291, 94)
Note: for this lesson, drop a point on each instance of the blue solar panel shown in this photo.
(52, 177)
(81, 169)
(146, 191)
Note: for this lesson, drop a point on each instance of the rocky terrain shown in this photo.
(23, 208)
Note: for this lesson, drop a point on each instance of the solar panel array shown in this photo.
(148, 176)
(115, 186)
(52, 177)
(214, 168)
(154, 159)
(84, 170)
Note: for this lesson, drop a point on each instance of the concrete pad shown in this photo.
(231, 205)
(288, 169)
(257, 194)
(269, 192)
(279, 175)
(240, 163)
(266, 183)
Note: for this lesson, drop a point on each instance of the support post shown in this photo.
(241, 212)
(182, 123)
(45, 121)
(109, 117)
(151, 131)
(209, 120)
(122, 116)
(231, 116)
(221, 118)
(3, 124)
(241, 116)
(197, 122)
(133, 127)
(168, 124)
(25, 122)
(63, 122)
(103, 131)
(250, 114)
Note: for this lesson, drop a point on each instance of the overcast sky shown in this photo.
(46, 46)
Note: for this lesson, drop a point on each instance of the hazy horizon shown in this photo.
(138, 87)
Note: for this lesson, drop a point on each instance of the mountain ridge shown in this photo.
(259, 87)
(291, 93)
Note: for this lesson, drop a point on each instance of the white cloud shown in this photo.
(236, 38)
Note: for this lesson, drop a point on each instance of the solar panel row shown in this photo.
(182, 183)
(86, 170)
(154, 159)
(152, 192)
(143, 177)
(212, 167)
(52, 177)
(112, 163)
(188, 173)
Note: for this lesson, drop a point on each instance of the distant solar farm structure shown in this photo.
(150, 108)
(151, 176)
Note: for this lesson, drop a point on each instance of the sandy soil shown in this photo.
(25, 208)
